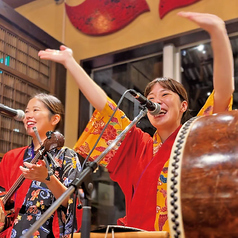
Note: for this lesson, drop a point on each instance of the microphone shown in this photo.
(18, 115)
(153, 108)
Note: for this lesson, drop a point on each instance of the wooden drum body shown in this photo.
(203, 178)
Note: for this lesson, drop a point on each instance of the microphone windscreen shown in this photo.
(20, 115)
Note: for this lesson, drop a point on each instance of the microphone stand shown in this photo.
(84, 175)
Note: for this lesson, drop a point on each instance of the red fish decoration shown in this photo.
(101, 17)
(166, 6)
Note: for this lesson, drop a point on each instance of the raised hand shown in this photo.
(208, 22)
(60, 56)
(95, 95)
(223, 81)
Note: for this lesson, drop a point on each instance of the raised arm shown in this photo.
(223, 80)
(94, 94)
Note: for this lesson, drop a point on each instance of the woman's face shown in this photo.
(172, 108)
(37, 115)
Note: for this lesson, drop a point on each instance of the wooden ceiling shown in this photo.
(18, 3)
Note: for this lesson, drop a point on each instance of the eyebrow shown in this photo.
(163, 90)
(32, 107)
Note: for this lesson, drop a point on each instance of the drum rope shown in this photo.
(176, 159)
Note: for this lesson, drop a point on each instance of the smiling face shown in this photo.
(39, 116)
(172, 108)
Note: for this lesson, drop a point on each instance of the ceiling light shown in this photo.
(200, 48)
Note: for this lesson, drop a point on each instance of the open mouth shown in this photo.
(162, 112)
(30, 123)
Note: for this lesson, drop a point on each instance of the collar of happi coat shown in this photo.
(157, 142)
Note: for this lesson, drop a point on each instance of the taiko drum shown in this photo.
(203, 178)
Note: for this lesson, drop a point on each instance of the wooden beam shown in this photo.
(19, 3)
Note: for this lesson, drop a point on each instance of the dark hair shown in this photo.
(172, 85)
(53, 104)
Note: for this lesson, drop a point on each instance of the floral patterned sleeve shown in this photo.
(69, 169)
(94, 128)
(207, 109)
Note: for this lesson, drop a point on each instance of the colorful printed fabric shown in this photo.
(139, 165)
(94, 128)
(33, 198)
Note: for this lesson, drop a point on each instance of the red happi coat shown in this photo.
(137, 172)
(9, 173)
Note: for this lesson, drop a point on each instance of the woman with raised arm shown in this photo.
(42, 185)
(140, 164)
